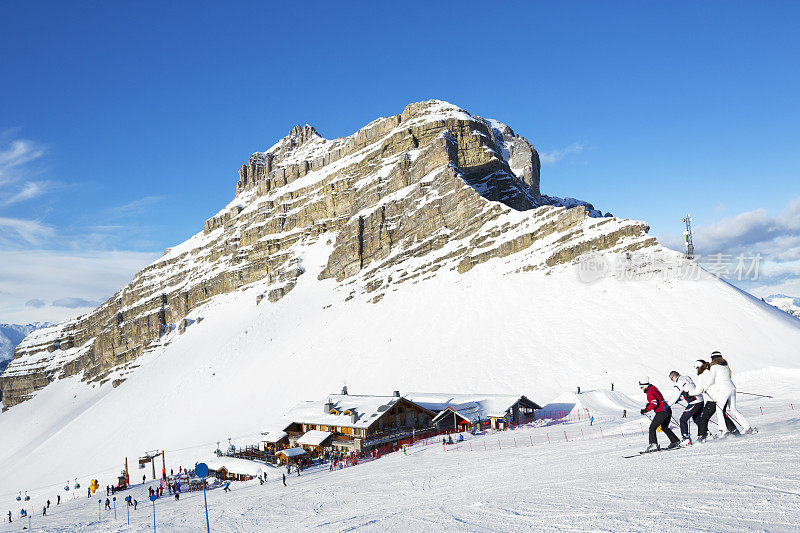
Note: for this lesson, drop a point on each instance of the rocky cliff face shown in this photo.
(433, 187)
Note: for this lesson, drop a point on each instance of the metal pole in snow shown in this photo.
(99, 516)
(205, 502)
(202, 470)
(115, 507)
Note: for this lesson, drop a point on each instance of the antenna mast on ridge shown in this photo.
(688, 234)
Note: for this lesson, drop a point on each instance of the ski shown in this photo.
(656, 451)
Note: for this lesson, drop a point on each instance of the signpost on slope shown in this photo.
(201, 470)
(128, 507)
(99, 510)
(115, 507)
(153, 499)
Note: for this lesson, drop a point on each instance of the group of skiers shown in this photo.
(713, 392)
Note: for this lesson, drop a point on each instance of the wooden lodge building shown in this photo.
(479, 411)
(353, 423)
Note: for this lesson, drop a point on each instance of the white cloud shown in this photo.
(15, 232)
(74, 303)
(776, 238)
(135, 207)
(16, 183)
(46, 272)
(29, 191)
(554, 156)
(19, 152)
(62, 278)
(756, 233)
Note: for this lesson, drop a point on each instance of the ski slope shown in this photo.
(531, 478)
(491, 330)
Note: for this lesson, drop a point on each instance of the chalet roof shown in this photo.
(292, 452)
(470, 406)
(273, 436)
(235, 465)
(470, 411)
(314, 437)
(367, 410)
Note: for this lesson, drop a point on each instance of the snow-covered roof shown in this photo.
(235, 465)
(470, 406)
(470, 411)
(273, 436)
(367, 410)
(314, 437)
(292, 452)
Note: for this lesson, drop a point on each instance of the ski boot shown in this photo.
(686, 440)
(652, 448)
(673, 445)
(750, 431)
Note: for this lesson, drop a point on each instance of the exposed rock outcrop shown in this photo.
(433, 187)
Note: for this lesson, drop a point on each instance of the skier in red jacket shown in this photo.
(662, 415)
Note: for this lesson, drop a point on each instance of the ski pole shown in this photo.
(754, 394)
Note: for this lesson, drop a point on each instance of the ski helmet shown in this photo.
(674, 375)
(644, 381)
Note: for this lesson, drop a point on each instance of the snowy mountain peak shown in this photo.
(433, 195)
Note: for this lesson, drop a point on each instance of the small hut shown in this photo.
(290, 455)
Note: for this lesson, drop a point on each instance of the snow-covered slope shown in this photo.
(492, 330)
(569, 477)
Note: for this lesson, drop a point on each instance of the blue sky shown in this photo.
(122, 126)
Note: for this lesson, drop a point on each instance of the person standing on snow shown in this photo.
(715, 382)
(694, 404)
(662, 414)
(284, 480)
(9, 517)
(44, 511)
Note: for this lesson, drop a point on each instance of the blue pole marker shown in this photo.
(201, 469)
(128, 507)
(99, 510)
(115, 507)
(153, 499)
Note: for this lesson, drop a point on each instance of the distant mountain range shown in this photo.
(10, 336)
(789, 304)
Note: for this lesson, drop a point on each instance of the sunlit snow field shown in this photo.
(525, 479)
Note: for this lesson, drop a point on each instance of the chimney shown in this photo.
(353, 416)
(328, 406)
(396, 394)
(344, 390)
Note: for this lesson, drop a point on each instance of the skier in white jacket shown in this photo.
(694, 404)
(717, 385)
